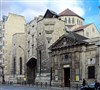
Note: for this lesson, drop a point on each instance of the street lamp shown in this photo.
(24, 59)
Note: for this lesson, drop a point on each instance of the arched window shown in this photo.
(69, 20)
(14, 66)
(20, 65)
(77, 21)
(65, 20)
(73, 20)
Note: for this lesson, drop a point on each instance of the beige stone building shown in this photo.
(13, 24)
(74, 57)
(18, 59)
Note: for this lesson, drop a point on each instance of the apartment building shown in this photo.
(12, 24)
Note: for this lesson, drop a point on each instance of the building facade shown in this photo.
(31, 50)
(1, 51)
(74, 58)
(12, 24)
(48, 30)
(18, 59)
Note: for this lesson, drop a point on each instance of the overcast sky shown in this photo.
(88, 9)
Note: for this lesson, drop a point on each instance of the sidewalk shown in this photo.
(43, 87)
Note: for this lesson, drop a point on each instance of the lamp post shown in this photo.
(24, 60)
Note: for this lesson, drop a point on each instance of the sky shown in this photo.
(88, 9)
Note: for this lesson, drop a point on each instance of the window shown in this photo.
(81, 23)
(91, 72)
(14, 65)
(39, 33)
(49, 31)
(69, 20)
(66, 57)
(73, 20)
(32, 48)
(48, 41)
(32, 39)
(28, 32)
(40, 59)
(77, 21)
(28, 53)
(65, 20)
(20, 66)
(32, 25)
(28, 44)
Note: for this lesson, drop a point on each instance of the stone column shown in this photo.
(83, 62)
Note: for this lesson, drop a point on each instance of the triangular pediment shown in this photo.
(67, 40)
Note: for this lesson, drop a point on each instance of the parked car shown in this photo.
(89, 87)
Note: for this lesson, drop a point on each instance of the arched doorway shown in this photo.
(31, 70)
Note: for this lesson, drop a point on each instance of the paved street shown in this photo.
(16, 87)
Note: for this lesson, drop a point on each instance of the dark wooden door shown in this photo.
(67, 77)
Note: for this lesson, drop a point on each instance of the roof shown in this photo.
(50, 14)
(81, 27)
(75, 36)
(68, 12)
(72, 35)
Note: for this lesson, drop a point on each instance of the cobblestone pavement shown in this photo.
(19, 87)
